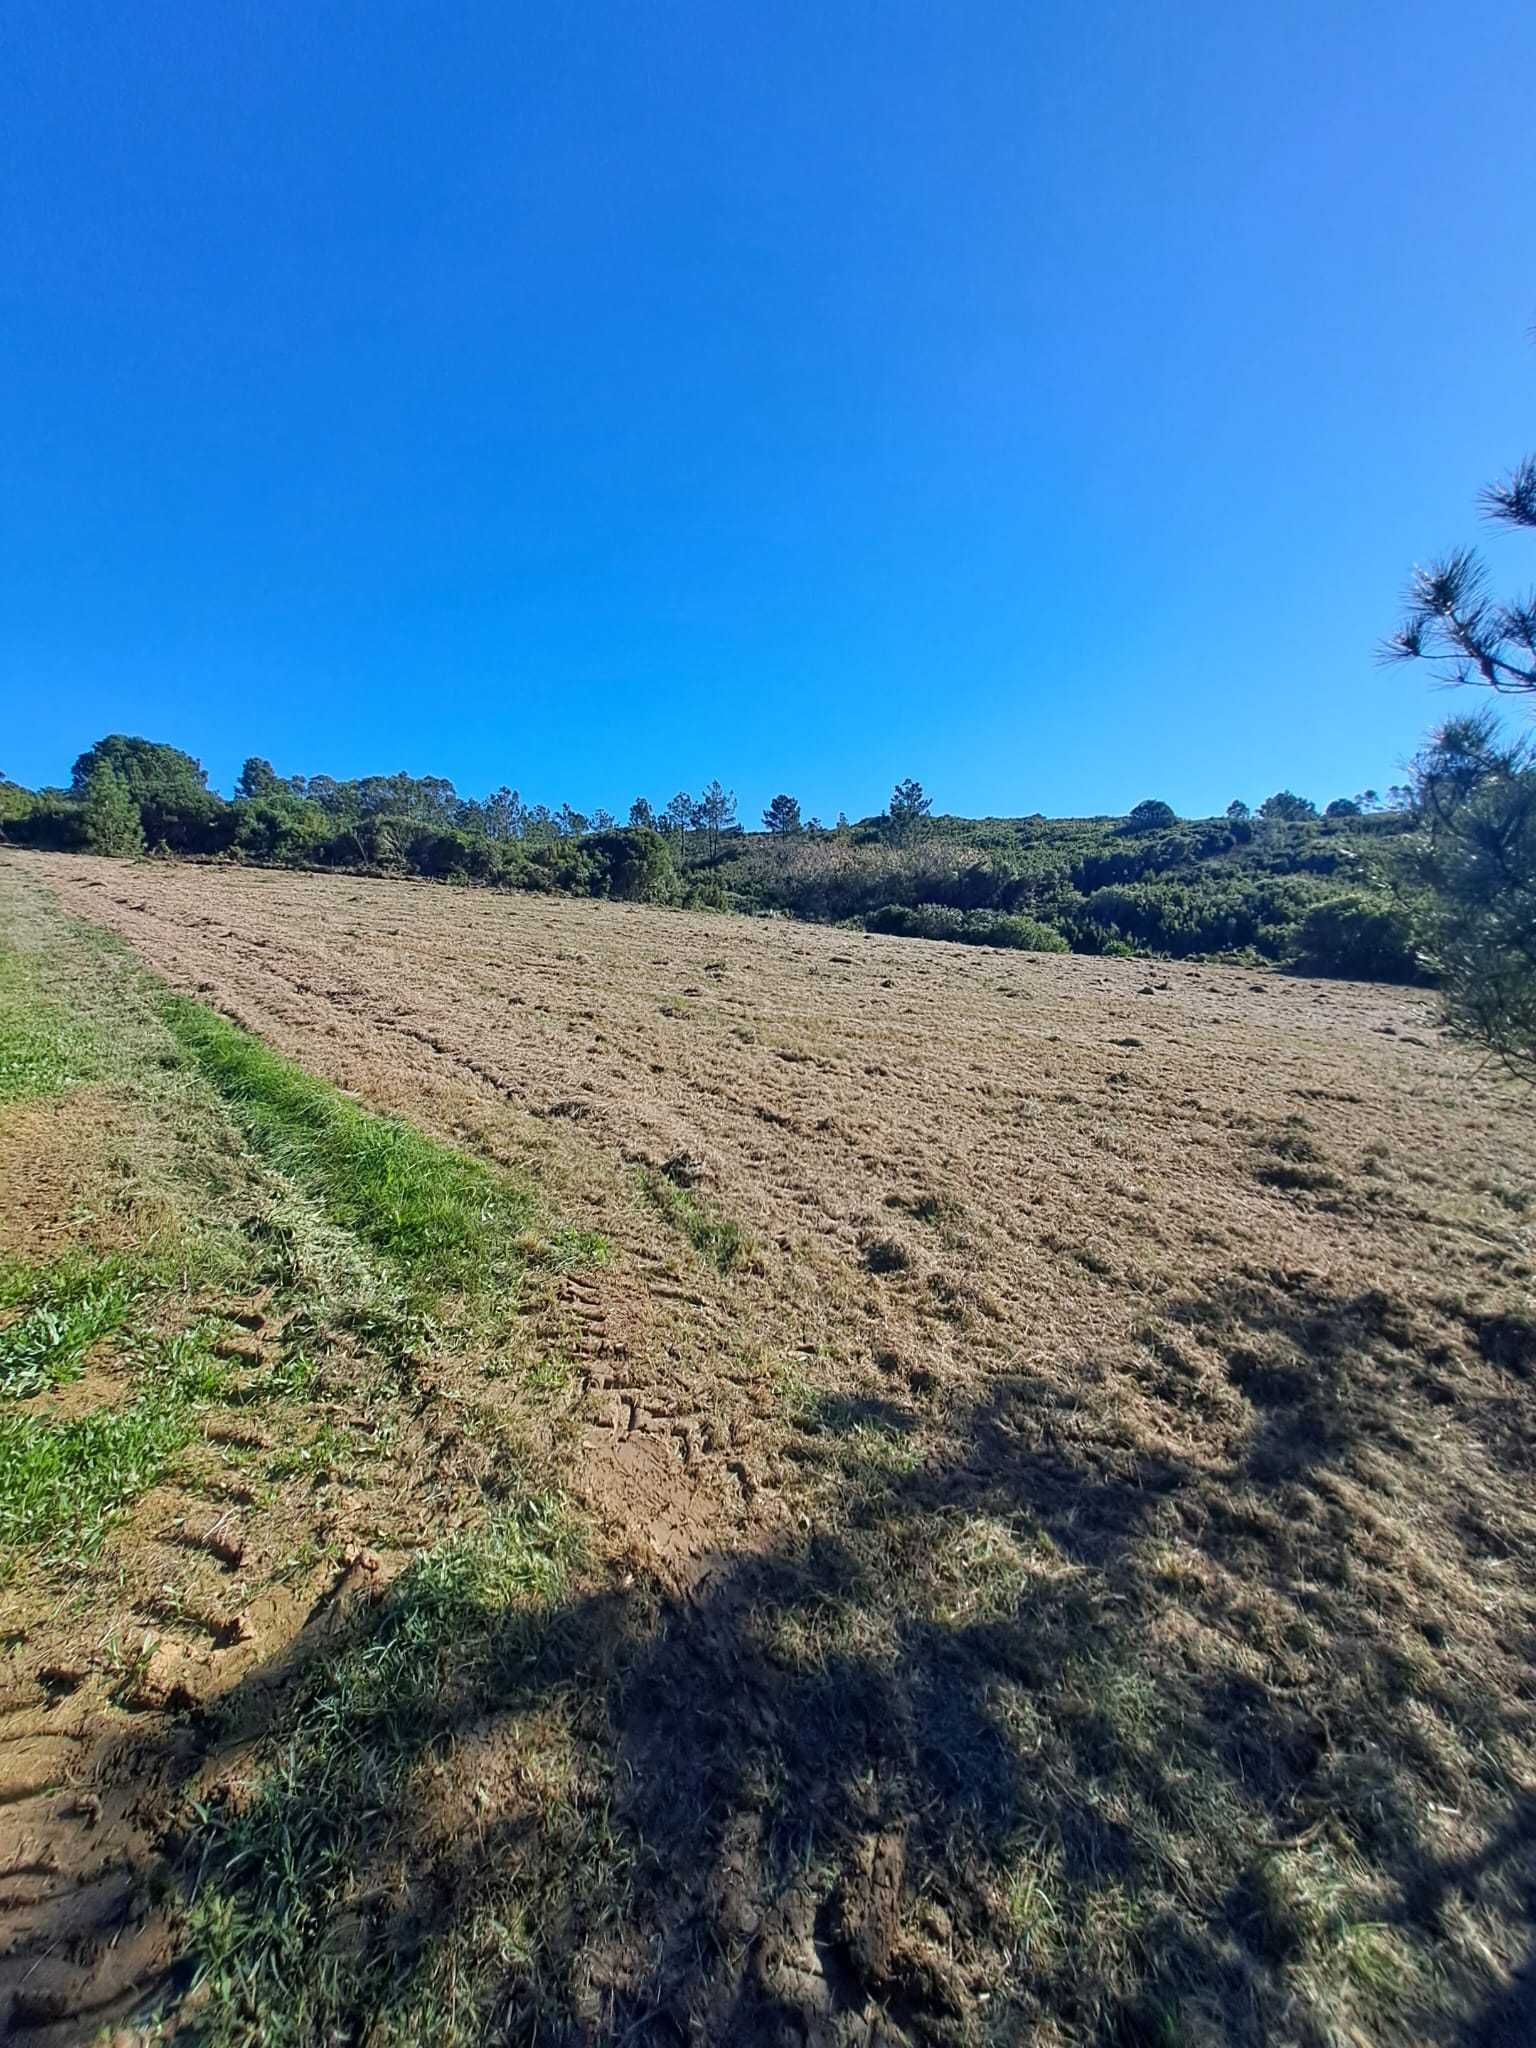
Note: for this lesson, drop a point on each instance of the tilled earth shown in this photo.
(1220, 1279)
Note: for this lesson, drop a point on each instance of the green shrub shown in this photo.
(634, 864)
(111, 816)
(52, 823)
(966, 927)
(279, 827)
(1199, 915)
(1151, 816)
(1361, 937)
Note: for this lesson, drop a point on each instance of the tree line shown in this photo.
(129, 795)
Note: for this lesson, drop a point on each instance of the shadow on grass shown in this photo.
(1063, 1730)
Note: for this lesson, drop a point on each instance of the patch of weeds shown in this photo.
(564, 1250)
(552, 1375)
(441, 1219)
(1507, 1340)
(981, 1568)
(720, 1240)
(825, 1633)
(1293, 1144)
(326, 1449)
(1291, 1161)
(875, 1448)
(1375, 1959)
(929, 1207)
(1298, 1907)
(68, 1308)
(1032, 1909)
(291, 1378)
(870, 1438)
(43, 1050)
(184, 1367)
(848, 1414)
(296, 1250)
(338, 1798)
(1299, 1179)
(62, 1483)
(795, 1391)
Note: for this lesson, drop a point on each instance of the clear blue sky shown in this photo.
(1047, 400)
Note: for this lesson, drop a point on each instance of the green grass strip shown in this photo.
(43, 1051)
(74, 1307)
(61, 1482)
(441, 1219)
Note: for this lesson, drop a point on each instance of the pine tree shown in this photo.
(782, 815)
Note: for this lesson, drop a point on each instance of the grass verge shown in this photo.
(43, 1049)
(441, 1219)
(271, 1299)
(65, 1310)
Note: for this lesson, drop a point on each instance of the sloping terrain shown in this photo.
(1053, 1442)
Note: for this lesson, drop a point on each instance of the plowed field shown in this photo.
(1061, 1435)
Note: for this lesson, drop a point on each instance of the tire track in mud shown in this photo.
(83, 1938)
(97, 1758)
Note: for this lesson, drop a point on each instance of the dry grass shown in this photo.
(1071, 1576)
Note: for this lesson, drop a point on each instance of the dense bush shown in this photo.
(635, 864)
(177, 810)
(1201, 916)
(1364, 938)
(52, 823)
(973, 927)
(110, 815)
(1151, 816)
(278, 829)
(15, 803)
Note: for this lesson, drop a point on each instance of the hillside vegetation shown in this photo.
(1331, 894)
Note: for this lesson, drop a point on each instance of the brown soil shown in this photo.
(1219, 1279)
(52, 1155)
